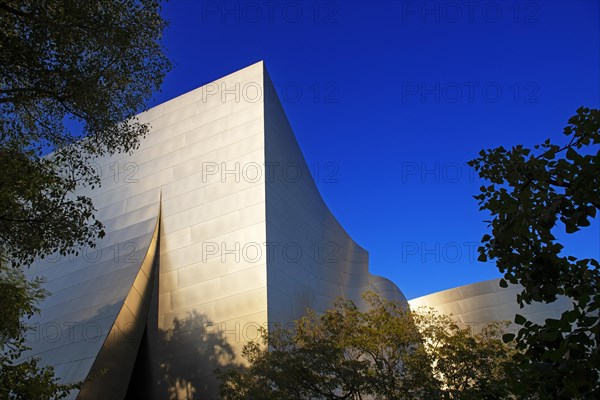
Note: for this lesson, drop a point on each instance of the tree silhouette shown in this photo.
(191, 351)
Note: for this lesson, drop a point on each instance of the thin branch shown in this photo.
(14, 11)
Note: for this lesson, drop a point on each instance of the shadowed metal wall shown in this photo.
(232, 225)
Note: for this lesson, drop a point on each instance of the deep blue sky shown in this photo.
(398, 96)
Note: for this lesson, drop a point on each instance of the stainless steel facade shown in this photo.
(480, 303)
(215, 228)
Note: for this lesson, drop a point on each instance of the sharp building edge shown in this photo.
(214, 228)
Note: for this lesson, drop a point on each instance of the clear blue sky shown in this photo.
(397, 96)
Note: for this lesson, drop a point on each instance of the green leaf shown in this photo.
(508, 337)
(571, 227)
(591, 211)
(519, 319)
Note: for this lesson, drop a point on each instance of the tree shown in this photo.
(533, 194)
(386, 352)
(25, 380)
(73, 74)
(470, 365)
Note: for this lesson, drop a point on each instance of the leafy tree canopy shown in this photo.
(533, 194)
(386, 352)
(73, 74)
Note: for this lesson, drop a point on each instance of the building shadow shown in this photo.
(189, 353)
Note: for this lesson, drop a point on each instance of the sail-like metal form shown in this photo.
(97, 311)
(240, 239)
(480, 303)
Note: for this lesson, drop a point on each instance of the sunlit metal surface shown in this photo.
(480, 303)
(87, 297)
(109, 376)
(245, 241)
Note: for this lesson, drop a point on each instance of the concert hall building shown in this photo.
(214, 228)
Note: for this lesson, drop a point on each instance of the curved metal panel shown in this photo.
(87, 293)
(480, 303)
(109, 376)
(314, 260)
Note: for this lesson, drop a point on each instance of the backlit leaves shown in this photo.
(73, 75)
(536, 193)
